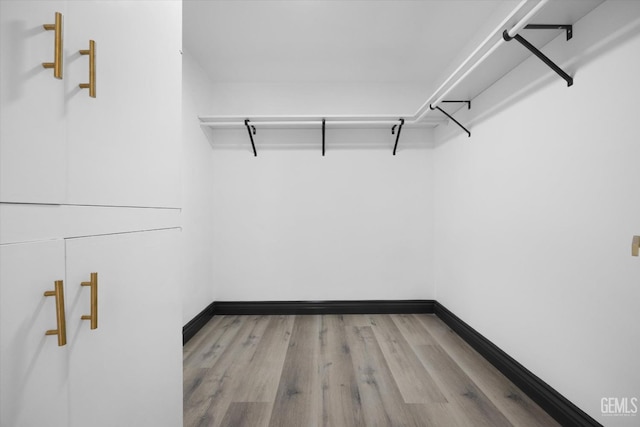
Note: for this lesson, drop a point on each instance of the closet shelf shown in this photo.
(315, 121)
(523, 13)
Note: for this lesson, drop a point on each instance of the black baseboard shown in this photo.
(324, 307)
(555, 404)
(195, 324)
(303, 307)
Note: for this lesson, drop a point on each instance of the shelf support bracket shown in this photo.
(567, 28)
(393, 130)
(249, 128)
(540, 55)
(323, 122)
(451, 117)
(463, 102)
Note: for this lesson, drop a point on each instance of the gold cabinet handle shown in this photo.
(635, 246)
(61, 332)
(57, 51)
(94, 301)
(92, 69)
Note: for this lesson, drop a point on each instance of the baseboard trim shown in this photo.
(195, 324)
(555, 404)
(324, 307)
(219, 308)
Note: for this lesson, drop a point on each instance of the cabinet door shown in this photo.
(33, 368)
(128, 371)
(32, 103)
(124, 145)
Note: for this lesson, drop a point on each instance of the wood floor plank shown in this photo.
(191, 381)
(247, 414)
(339, 370)
(380, 398)
(202, 336)
(509, 399)
(435, 414)
(413, 330)
(341, 405)
(211, 341)
(357, 320)
(414, 382)
(475, 409)
(297, 399)
(209, 401)
(265, 367)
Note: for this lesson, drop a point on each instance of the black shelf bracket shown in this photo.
(451, 117)
(539, 54)
(393, 130)
(463, 102)
(249, 128)
(567, 28)
(323, 123)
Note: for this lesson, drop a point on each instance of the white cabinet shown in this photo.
(32, 105)
(33, 368)
(82, 179)
(58, 145)
(128, 371)
(123, 144)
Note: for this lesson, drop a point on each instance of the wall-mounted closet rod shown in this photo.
(264, 124)
(436, 98)
(498, 30)
(301, 117)
(514, 30)
(528, 17)
(328, 122)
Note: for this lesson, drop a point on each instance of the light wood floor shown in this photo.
(345, 370)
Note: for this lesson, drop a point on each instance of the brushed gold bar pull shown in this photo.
(57, 51)
(92, 69)
(635, 246)
(61, 332)
(94, 301)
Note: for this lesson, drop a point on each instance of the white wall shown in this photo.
(535, 213)
(197, 284)
(260, 98)
(292, 225)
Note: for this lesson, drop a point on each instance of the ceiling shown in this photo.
(352, 41)
(330, 41)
